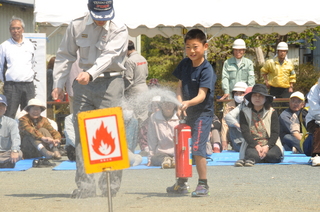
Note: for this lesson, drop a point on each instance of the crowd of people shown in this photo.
(97, 44)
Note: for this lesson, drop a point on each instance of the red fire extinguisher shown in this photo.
(183, 157)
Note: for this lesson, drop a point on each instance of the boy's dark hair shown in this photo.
(130, 45)
(196, 34)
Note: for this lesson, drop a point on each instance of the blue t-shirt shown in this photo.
(194, 78)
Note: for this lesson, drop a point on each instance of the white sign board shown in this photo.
(40, 82)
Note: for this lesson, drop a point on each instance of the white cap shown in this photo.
(282, 46)
(34, 102)
(240, 86)
(298, 94)
(239, 44)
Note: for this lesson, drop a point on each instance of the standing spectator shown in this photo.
(135, 81)
(10, 152)
(278, 73)
(237, 69)
(102, 41)
(50, 66)
(195, 91)
(16, 68)
(237, 98)
(136, 72)
(259, 124)
(38, 136)
(291, 121)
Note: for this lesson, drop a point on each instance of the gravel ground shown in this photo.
(259, 188)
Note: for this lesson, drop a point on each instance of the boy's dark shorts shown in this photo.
(201, 128)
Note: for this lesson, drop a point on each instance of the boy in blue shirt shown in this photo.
(195, 92)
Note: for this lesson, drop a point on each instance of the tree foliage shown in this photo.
(164, 54)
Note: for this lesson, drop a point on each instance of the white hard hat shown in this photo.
(34, 102)
(282, 46)
(239, 44)
(240, 86)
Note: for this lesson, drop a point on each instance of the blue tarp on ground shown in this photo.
(21, 165)
(225, 158)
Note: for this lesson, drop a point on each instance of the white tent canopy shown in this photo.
(216, 17)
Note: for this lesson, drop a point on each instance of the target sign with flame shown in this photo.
(103, 139)
(103, 143)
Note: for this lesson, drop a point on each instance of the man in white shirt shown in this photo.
(102, 42)
(16, 68)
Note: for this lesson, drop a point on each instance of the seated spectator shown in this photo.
(10, 152)
(143, 131)
(70, 137)
(291, 120)
(160, 133)
(215, 139)
(313, 121)
(232, 120)
(237, 97)
(38, 137)
(259, 124)
(131, 124)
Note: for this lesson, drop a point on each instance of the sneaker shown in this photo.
(82, 194)
(105, 193)
(201, 191)
(166, 164)
(315, 161)
(178, 189)
(239, 163)
(249, 163)
(71, 152)
(7, 165)
(42, 163)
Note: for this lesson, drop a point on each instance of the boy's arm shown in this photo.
(179, 91)
(196, 100)
(180, 99)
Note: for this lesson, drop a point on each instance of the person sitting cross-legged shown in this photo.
(259, 124)
(10, 152)
(160, 133)
(291, 121)
(38, 136)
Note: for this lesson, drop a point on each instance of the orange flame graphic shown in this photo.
(103, 144)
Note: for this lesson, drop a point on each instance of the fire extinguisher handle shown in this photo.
(183, 118)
